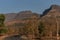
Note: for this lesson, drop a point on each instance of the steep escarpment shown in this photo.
(53, 10)
(51, 19)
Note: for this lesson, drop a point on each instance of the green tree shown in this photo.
(41, 27)
(3, 29)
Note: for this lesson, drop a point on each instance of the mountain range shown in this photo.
(27, 22)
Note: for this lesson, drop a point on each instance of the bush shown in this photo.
(41, 27)
(3, 31)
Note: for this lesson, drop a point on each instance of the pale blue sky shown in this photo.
(38, 6)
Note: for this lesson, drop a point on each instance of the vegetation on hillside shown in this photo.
(41, 28)
(3, 29)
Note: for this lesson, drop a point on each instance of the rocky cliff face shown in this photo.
(51, 19)
(53, 10)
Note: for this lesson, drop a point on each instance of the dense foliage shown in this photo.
(2, 26)
(41, 27)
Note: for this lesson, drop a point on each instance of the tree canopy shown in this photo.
(2, 26)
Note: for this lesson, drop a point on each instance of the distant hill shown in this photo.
(20, 16)
(10, 16)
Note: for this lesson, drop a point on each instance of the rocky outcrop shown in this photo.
(53, 10)
(51, 19)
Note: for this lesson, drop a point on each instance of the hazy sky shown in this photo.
(7, 6)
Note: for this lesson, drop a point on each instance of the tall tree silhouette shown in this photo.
(2, 26)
